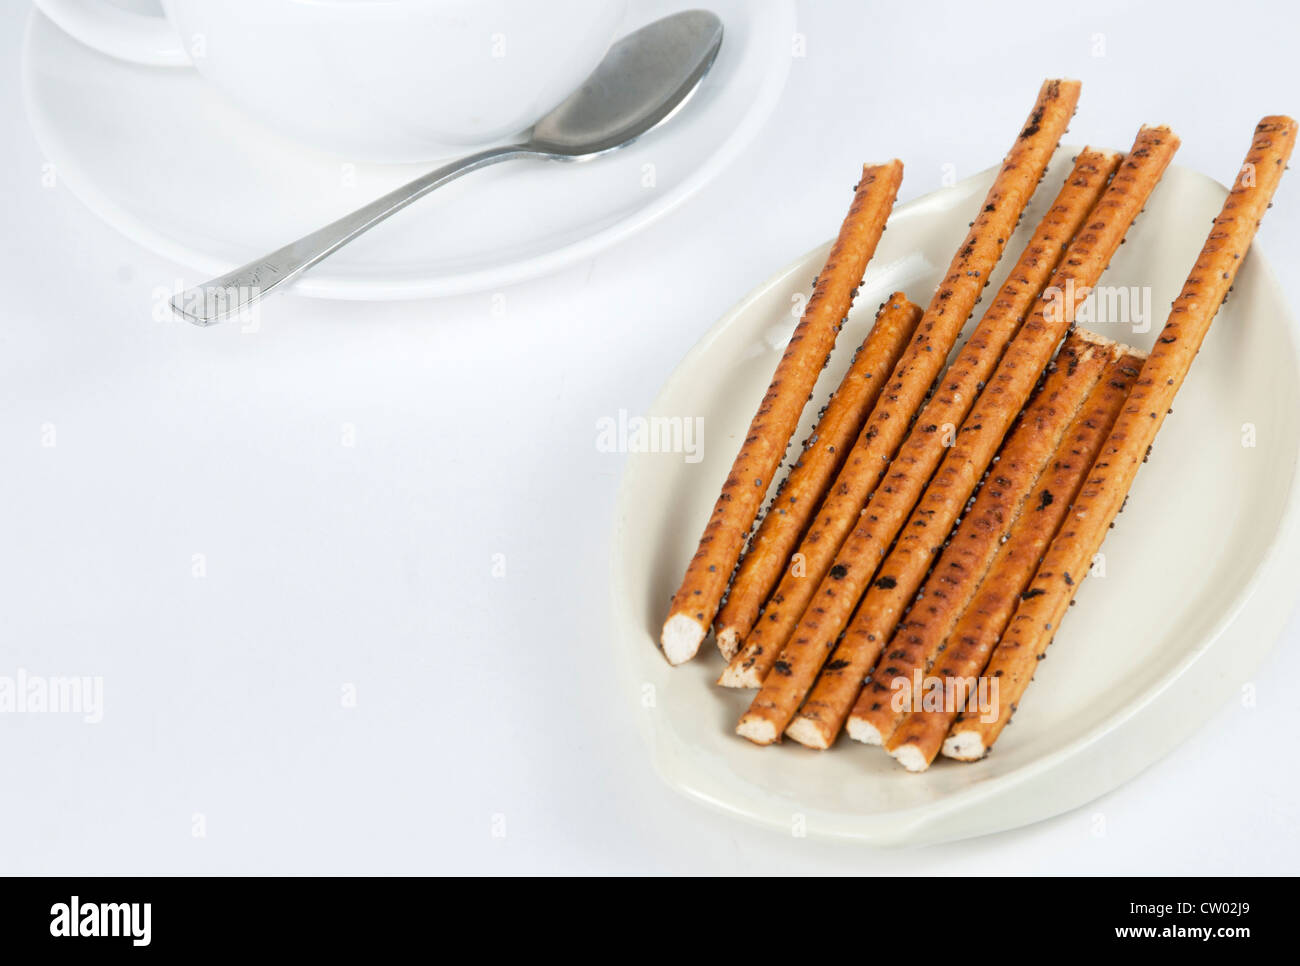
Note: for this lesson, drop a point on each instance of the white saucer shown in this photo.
(163, 157)
(1200, 570)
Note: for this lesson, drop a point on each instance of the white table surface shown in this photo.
(492, 731)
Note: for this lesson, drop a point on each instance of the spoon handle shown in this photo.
(229, 294)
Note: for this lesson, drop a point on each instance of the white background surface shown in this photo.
(489, 701)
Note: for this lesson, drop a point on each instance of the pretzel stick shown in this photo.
(921, 363)
(918, 737)
(1070, 554)
(824, 451)
(893, 689)
(945, 496)
(697, 600)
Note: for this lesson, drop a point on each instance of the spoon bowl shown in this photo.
(644, 79)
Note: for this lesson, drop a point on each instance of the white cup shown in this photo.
(380, 80)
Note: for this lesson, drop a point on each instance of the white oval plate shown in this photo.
(1195, 588)
(165, 159)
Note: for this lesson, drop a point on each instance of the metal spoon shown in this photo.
(643, 80)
